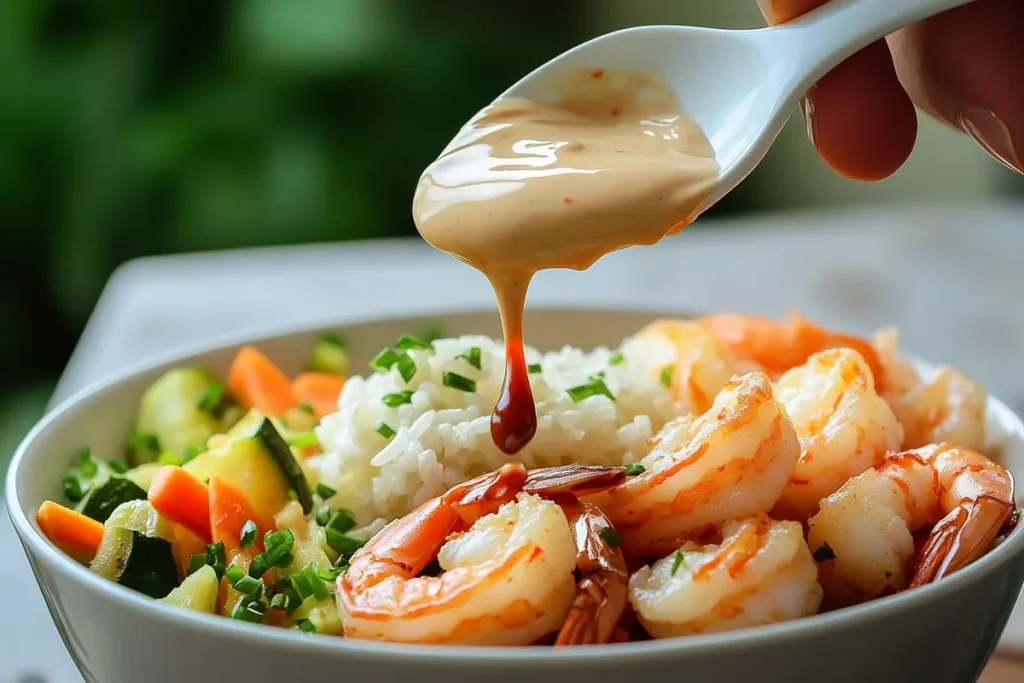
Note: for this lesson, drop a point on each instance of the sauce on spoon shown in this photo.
(529, 185)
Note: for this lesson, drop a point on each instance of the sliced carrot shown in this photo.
(229, 511)
(258, 383)
(318, 387)
(72, 532)
(183, 499)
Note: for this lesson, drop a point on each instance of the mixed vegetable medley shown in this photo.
(211, 507)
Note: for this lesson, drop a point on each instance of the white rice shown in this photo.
(443, 436)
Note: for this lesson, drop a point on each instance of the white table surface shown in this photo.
(951, 277)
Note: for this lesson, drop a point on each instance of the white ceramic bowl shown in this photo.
(942, 632)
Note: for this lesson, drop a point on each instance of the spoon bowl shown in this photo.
(739, 86)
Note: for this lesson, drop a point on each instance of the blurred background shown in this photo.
(134, 129)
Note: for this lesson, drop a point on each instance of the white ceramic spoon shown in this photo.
(739, 86)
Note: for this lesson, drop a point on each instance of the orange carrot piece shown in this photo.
(255, 381)
(183, 499)
(229, 511)
(72, 532)
(318, 387)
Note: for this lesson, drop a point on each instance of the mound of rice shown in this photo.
(442, 436)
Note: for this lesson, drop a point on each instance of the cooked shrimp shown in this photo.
(761, 573)
(868, 523)
(949, 407)
(601, 592)
(697, 365)
(731, 462)
(509, 577)
(778, 346)
(844, 427)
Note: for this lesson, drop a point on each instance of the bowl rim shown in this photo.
(39, 548)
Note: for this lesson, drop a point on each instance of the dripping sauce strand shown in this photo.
(514, 420)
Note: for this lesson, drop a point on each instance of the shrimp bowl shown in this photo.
(718, 497)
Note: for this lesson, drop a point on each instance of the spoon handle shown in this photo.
(821, 39)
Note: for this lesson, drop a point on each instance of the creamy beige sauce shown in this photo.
(529, 185)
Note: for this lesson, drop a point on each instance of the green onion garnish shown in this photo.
(533, 369)
(398, 398)
(168, 458)
(383, 361)
(277, 553)
(343, 543)
(610, 536)
(678, 560)
(384, 430)
(73, 488)
(117, 466)
(86, 463)
(341, 521)
(331, 575)
(323, 515)
(666, 376)
(472, 357)
(616, 358)
(247, 609)
(306, 408)
(306, 626)
(241, 582)
(406, 368)
(456, 381)
(145, 442)
(308, 582)
(824, 553)
(280, 601)
(325, 491)
(214, 556)
(249, 534)
(633, 469)
(196, 562)
(595, 386)
(407, 341)
(304, 440)
(212, 399)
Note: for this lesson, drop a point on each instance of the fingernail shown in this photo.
(992, 134)
(807, 111)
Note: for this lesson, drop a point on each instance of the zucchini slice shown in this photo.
(246, 464)
(103, 499)
(329, 355)
(281, 452)
(199, 591)
(134, 560)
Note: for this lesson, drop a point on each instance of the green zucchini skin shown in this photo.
(103, 499)
(144, 563)
(281, 452)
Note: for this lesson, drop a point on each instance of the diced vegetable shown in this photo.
(247, 464)
(134, 560)
(310, 542)
(103, 499)
(197, 592)
(322, 615)
(172, 411)
(282, 454)
(74, 533)
(139, 515)
(260, 384)
(183, 499)
(84, 476)
(143, 474)
(329, 355)
(320, 390)
(229, 513)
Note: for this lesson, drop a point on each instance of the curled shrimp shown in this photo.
(844, 427)
(697, 364)
(778, 346)
(947, 407)
(862, 534)
(761, 573)
(509, 555)
(731, 462)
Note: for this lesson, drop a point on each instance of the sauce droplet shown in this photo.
(514, 420)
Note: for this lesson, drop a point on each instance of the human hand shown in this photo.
(962, 67)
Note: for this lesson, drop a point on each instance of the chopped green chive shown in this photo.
(456, 381)
(277, 552)
(677, 561)
(86, 463)
(325, 491)
(145, 442)
(407, 341)
(616, 358)
(117, 466)
(533, 369)
(168, 458)
(343, 543)
(212, 399)
(280, 601)
(306, 408)
(472, 357)
(308, 582)
(633, 469)
(406, 368)
(595, 386)
(341, 521)
(323, 515)
(241, 582)
(383, 361)
(824, 553)
(331, 575)
(384, 430)
(304, 440)
(196, 562)
(398, 398)
(249, 534)
(73, 488)
(666, 376)
(214, 557)
(610, 536)
(306, 626)
(247, 609)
